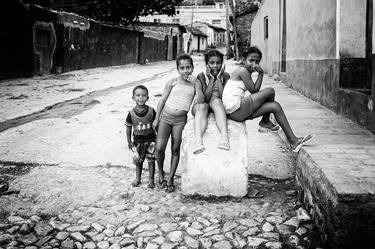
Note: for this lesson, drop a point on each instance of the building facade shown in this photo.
(195, 40)
(212, 14)
(172, 33)
(215, 35)
(324, 49)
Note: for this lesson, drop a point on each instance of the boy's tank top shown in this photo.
(181, 96)
(142, 126)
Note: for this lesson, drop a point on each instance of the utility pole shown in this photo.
(191, 27)
(228, 27)
(235, 31)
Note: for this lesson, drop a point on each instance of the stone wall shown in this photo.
(35, 41)
(345, 219)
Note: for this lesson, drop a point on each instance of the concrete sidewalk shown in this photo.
(336, 173)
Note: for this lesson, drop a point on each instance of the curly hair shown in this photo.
(251, 50)
(213, 53)
(184, 57)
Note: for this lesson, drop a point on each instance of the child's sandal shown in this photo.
(199, 148)
(162, 184)
(274, 128)
(170, 188)
(136, 183)
(224, 146)
(151, 185)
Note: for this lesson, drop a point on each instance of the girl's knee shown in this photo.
(159, 150)
(276, 106)
(270, 91)
(216, 102)
(202, 107)
(175, 151)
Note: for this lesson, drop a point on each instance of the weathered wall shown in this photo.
(269, 46)
(37, 41)
(371, 104)
(352, 48)
(152, 49)
(16, 39)
(312, 65)
(97, 45)
(352, 25)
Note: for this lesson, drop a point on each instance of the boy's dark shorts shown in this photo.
(145, 150)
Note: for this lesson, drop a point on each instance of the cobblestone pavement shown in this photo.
(128, 217)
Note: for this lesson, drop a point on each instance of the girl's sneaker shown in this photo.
(301, 142)
(199, 148)
(274, 128)
(224, 145)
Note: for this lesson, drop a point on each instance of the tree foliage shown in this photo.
(113, 11)
(128, 11)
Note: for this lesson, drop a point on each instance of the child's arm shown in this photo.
(245, 76)
(200, 97)
(221, 81)
(129, 136)
(128, 124)
(211, 82)
(163, 99)
(206, 89)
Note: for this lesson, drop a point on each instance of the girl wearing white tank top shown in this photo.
(260, 102)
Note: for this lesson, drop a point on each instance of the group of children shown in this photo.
(211, 90)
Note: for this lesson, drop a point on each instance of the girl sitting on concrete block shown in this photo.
(260, 102)
(213, 82)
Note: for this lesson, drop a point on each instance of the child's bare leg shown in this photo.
(261, 97)
(175, 157)
(200, 112)
(151, 176)
(221, 119)
(161, 144)
(275, 108)
(138, 173)
(175, 154)
(164, 131)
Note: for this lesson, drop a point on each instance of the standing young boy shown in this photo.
(140, 120)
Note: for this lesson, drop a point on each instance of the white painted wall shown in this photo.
(352, 28)
(270, 47)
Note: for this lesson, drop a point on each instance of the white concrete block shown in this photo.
(215, 172)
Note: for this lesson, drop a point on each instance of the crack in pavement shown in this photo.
(72, 107)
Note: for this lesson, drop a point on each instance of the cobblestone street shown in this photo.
(127, 217)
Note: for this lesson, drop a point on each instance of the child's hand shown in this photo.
(258, 69)
(155, 125)
(208, 73)
(190, 78)
(222, 70)
(130, 146)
